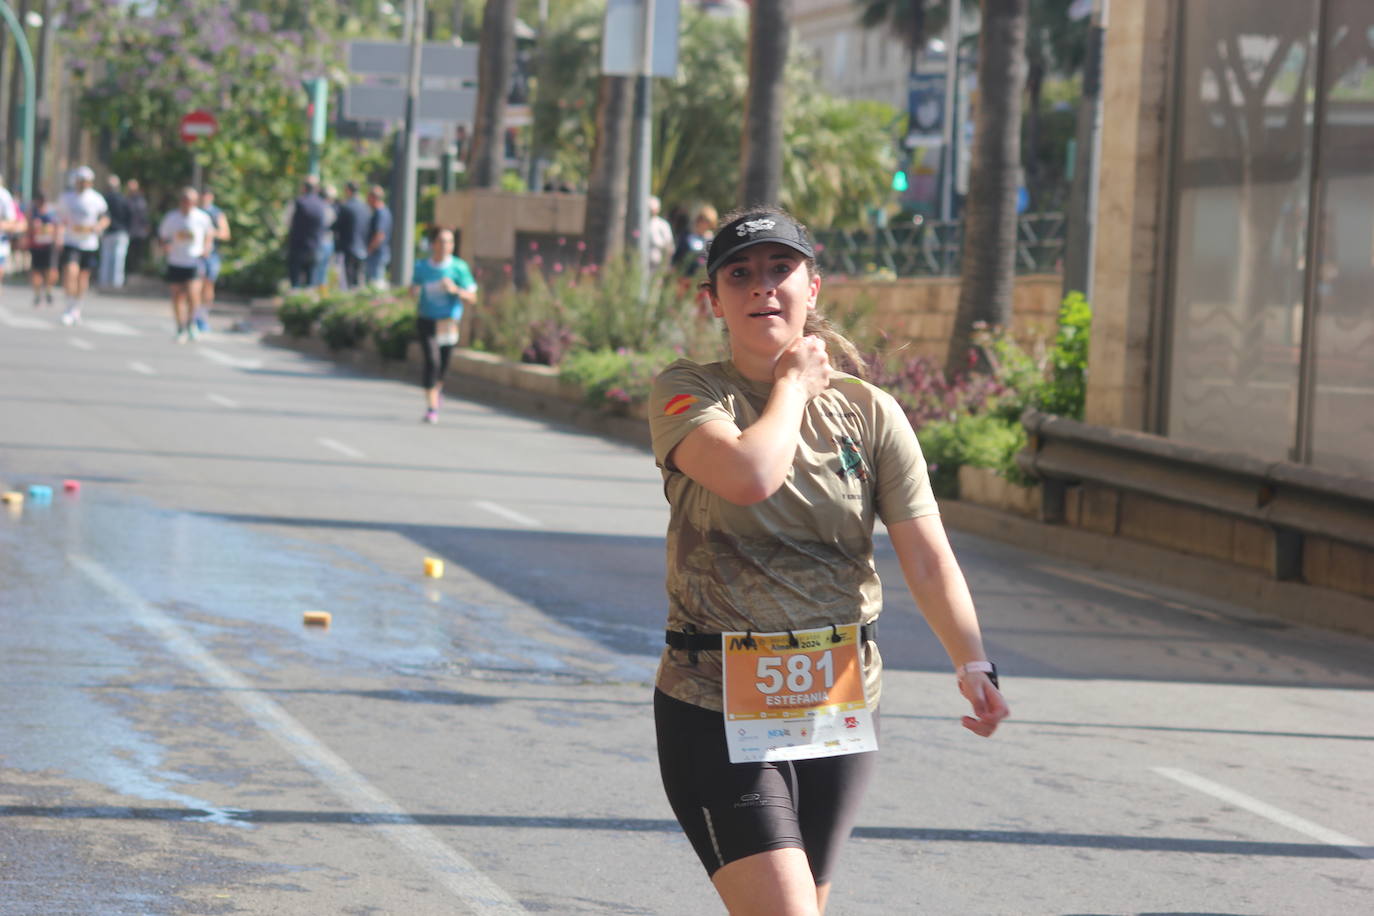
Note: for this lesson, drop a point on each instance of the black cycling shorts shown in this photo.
(733, 810)
(85, 260)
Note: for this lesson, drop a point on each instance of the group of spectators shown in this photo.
(348, 232)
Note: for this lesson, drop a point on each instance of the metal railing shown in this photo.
(1291, 499)
(932, 248)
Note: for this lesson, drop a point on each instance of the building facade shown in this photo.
(1234, 263)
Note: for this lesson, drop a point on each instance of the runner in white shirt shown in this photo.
(11, 223)
(185, 234)
(82, 214)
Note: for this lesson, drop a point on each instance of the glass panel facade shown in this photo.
(1241, 191)
(1343, 349)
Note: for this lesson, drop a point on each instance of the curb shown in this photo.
(490, 380)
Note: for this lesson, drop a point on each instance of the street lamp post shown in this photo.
(21, 43)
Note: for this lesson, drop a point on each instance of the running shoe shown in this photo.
(193, 332)
(431, 416)
(49, 296)
(183, 335)
(71, 317)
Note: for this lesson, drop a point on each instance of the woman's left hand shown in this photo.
(989, 706)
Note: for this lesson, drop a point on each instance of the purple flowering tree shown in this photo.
(146, 65)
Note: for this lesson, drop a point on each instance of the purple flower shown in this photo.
(259, 22)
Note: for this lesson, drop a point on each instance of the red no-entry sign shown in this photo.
(199, 123)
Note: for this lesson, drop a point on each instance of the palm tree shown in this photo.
(989, 253)
(761, 152)
(495, 62)
(607, 186)
(914, 20)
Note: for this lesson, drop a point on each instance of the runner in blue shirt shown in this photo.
(444, 284)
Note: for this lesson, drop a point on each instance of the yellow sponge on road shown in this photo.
(434, 568)
(318, 618)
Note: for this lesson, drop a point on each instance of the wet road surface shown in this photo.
(174, 740)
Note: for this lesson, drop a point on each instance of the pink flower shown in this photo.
(534, 246)
(506, 268)
(558, 267)
(581, 245)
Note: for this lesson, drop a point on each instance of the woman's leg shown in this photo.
(431, 351)
(740, 818)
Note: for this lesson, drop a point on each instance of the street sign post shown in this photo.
(195, 125)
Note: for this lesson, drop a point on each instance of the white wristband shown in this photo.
(970, 667)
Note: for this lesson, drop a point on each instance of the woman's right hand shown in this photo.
(806, 362)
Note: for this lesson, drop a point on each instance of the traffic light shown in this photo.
(899, 182)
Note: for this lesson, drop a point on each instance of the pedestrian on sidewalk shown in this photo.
(11, 224)
(81, 212)
(775, 466)
(443, 284)
(185, 234)
(306, 221)
(212, 262)
(44, 238)
(140, 227)
(378, 238)
(350, 236)
(114, 243)
(325, 254)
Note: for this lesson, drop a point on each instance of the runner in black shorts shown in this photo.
(185, 234)
(775, 466)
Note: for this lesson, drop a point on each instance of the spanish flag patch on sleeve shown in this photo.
(679, 404)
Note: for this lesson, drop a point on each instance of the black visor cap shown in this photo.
(755, 229)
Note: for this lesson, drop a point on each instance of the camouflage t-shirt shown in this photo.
(800, 559)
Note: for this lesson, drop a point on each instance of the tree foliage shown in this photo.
(838, 154)
(151, 63)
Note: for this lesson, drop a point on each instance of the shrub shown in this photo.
(394, 327)
(981, 440)
(299, 311)
(348, 321)
(614, 378)
(1066, 391)
(550, 339)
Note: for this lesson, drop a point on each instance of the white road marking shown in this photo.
(112, 328)
(1265, 810)
(23, 322)
(222, 401)
(224, 359)
(477, 892)
(509, 514)
(339, 447)
(142, 368)
(81, 343)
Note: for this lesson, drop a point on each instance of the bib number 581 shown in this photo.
(798, 674)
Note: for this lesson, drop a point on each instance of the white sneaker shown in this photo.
(192, 332)
(71, 317)
(183, 336)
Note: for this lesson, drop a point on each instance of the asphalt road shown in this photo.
(174, 740)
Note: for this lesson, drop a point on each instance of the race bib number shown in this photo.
(795, 696)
